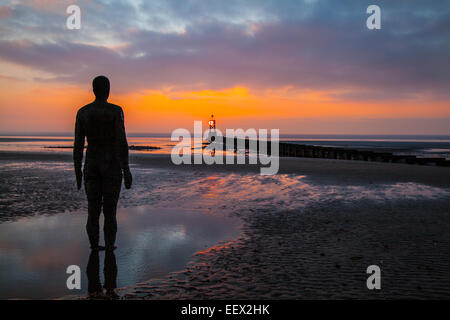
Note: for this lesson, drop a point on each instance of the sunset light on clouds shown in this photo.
(301, 66)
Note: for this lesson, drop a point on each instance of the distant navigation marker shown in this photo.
(212, 123)
(212, 128)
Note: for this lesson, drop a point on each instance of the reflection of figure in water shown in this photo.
(106, 158)
(95, 289)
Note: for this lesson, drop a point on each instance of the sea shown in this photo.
(430, 146)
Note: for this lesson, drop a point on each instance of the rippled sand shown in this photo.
(309, 232)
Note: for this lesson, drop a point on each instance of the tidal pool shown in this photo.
(152, 242)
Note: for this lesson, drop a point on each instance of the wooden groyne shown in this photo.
(310, 151)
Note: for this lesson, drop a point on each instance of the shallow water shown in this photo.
(36, 251)
(63, 144)
(418, 145)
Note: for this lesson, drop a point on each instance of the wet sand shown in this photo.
(321, 254)
(314, 241)
(344, 171)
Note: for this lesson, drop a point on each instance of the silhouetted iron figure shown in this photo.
(95, 289)
(106, 159)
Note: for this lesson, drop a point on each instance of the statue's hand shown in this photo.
(127, 177)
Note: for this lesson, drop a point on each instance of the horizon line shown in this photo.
(168, 134)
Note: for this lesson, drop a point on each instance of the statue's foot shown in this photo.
(96, 295)
(111, 294)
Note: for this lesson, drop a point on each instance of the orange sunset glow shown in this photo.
(168, 77)
(52, 107)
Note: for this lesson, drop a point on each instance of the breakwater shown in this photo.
(310, 151)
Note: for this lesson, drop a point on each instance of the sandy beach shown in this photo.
(309, 232)
(391, 215)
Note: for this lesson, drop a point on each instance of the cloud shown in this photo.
(5, 12)
(318, 45)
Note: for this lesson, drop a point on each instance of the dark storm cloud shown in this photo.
(319, 45)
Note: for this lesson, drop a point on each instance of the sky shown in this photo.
(301, 66)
